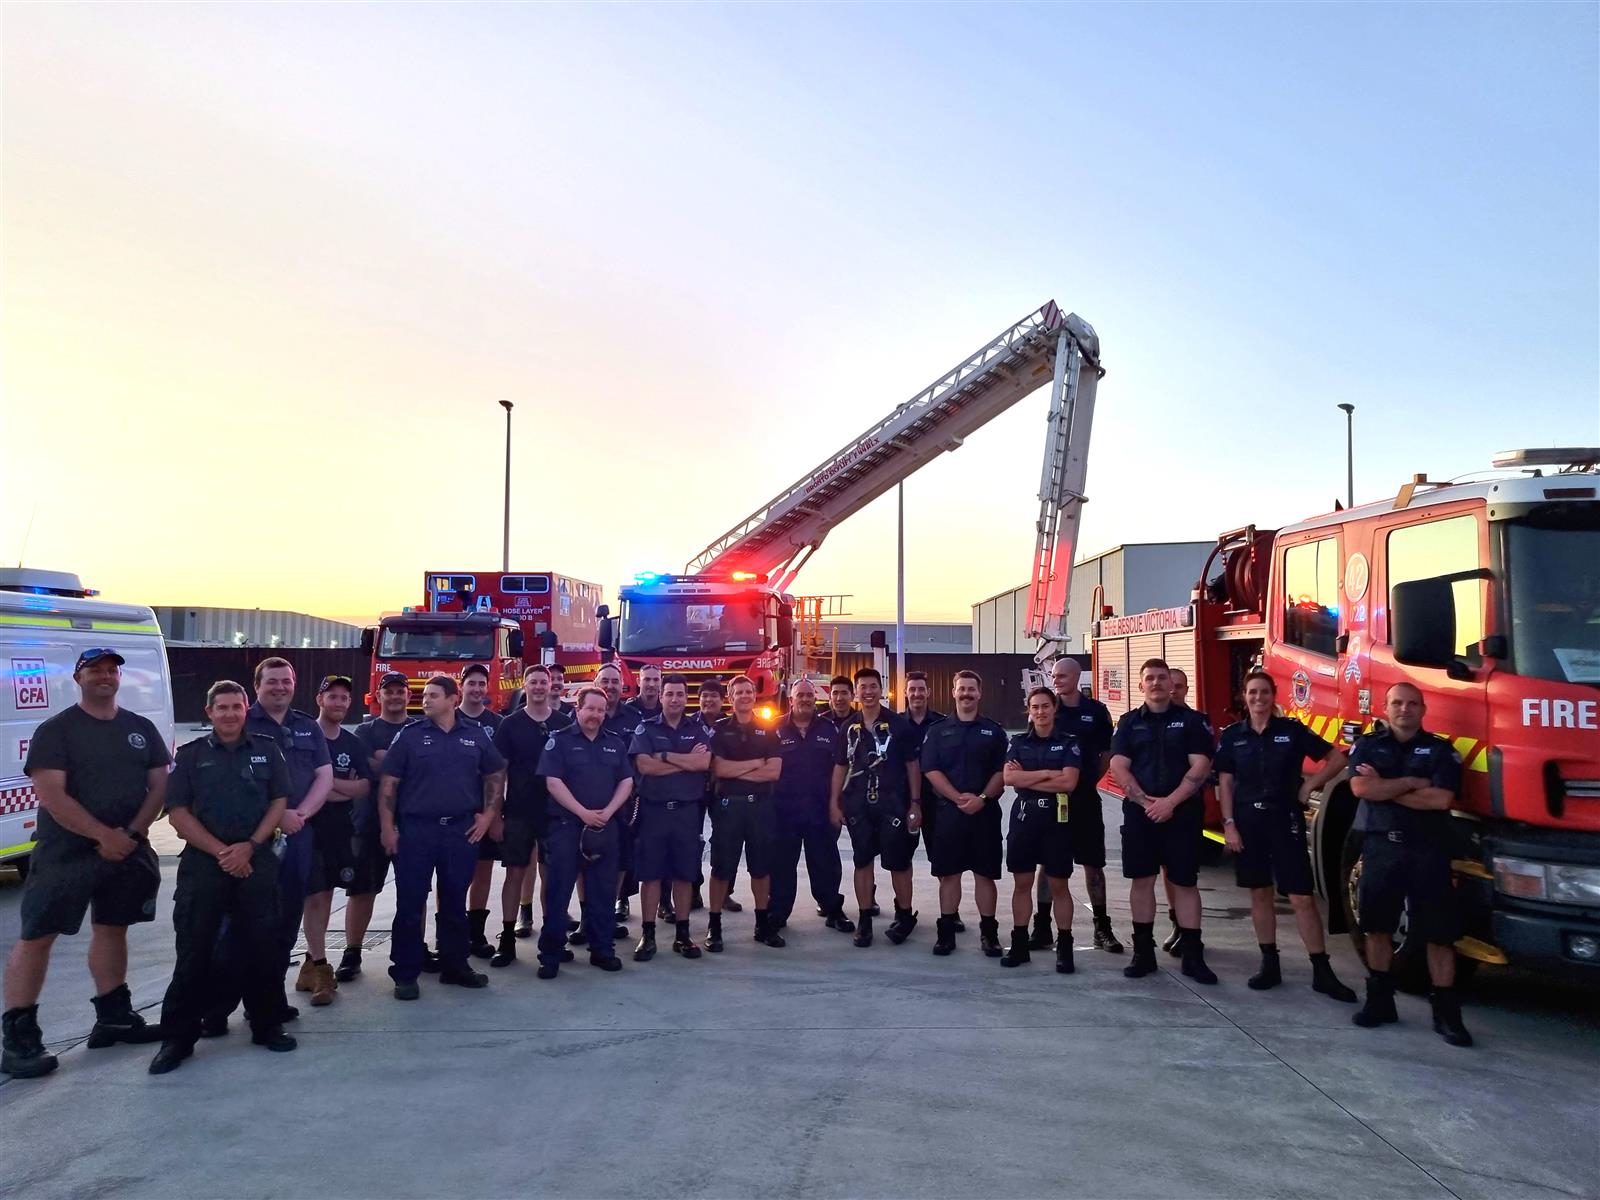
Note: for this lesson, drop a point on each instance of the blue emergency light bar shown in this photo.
(647, 577)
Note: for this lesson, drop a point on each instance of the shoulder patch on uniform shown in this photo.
(550, 742)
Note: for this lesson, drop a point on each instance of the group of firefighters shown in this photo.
(609, 798)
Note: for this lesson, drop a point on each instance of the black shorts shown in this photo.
(1036, 838)
(747, 825)
(517, 841)
(1174, 844)
(1274, 849)
(878, 833)
(666, 842)
(66, 881)
(966, 843)
(1086, 815)
(1402, 875)
(333, 849)
(371, 866)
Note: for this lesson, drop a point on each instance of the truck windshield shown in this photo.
(1553, 567)
(435, 641)
(677, 625)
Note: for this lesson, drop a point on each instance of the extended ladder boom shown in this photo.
(1045, 346)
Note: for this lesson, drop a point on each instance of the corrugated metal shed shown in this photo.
(265, 627)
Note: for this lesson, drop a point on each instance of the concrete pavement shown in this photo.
(824, 1070)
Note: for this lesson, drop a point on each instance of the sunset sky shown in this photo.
(267, 272)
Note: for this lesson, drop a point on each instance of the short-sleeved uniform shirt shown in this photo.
(377, 734)
(968, 753)
(229, 788)
(350, 761)
(1266, 766)
(1425, 756)
(920, 729)
(106, 764)
(655, 737)
(738, 742)
(1158, 745)
(488, 718)
(590, 767)
(441, 770)
(874, 757)
(808, 757)
(521, 739)
(1088, 722)
(638, 714)
(1058, 752)
(299, 739)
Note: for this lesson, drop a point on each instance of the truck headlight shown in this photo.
(1557, 883)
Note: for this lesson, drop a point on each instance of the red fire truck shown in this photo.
(492, 617)
(1486, 596)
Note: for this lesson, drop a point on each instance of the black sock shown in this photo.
(902, 914)
(1319, 960)
(683, 931)
(1144, 934)
(1100, 914)
(949, 916)
(862, 914)
(715, 921)
(1020, 932)
(1270, 950)
(647, 928)
(761, 916)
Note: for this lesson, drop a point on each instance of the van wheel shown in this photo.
(21, 865)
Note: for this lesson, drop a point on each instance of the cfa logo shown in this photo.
(136, 740)
(1561, 714)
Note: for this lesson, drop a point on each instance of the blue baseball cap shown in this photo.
(95, 654)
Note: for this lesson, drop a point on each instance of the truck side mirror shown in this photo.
(516, 644)
(608, 632)
(785, 630)
(369, 640)
(1422, 618)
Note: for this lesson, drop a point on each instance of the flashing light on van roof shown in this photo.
(646, 576)
(743, 576)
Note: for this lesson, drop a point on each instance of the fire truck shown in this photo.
(730, 611)
(1485, 595)
(493, 618)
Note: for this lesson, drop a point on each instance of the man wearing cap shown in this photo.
(560, 704)
(371, 867)
(333, 859)
(227, 796)
(475, 707)
(100, 773)
(440, 789)
(301, 742)
(586, 770)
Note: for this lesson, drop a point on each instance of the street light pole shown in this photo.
(900, 601)
(1349, 454)
(505, 539)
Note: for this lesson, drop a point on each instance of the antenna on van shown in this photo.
(26, 534)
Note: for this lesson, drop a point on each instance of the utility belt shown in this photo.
(420, 819)
(1041, 806)
(744, 797)
(650, 805)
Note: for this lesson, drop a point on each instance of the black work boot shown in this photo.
(506, 952)
(170, 1057)
(1379, 1007)
(24, 1056)
(714, 933)
(863, 930)
(1174, 943)
(944, 941)
(989, 937)
(836, 918)
(524, 921)
(683, 941)
(1105, 939)
(1020, 947)
(957, 924)
(1194, 958)
(1325, 981)
(430, 961)
(1064, 965)
(1044, 934)
(905, 920)
(1144, 950)
(646, 949)
(1269, 976)
(115, 1021)
(477, 941)
(767, 930)
(349, 964)
(624, 910)
(1447, 1017)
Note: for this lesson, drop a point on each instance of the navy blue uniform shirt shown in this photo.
(1088, 722)
(1425, 756)
(638, 714)
(1266, 766)
(968, 753)
(654, 737)
(441, 772)
(300, 741)
(1158, 745)
(807, 776)
(1058, 752)
(591, 768)
(920, 732)
(741, 743)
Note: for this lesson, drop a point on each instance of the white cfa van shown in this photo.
(48, 618)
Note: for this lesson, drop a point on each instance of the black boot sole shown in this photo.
(28, 1068)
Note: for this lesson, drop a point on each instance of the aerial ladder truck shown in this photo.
(731, 612)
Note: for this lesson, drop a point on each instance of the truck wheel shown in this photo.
(20, 865)
(1410, 967)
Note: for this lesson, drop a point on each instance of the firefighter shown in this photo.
(441, 787)
(521, 740)
(647, 704)
(745, 764)
(672, 759)
(371, 868)
(841, 700)
(618, 721)
(644, 707)
(963, 764)
(586, 770)
(1263, 796)
(921, 717)
(100, 773)
(305, 749)
(333, 862)
(1180, 699)
(475, 708)
(807, 744)
(228, 792)
(1088, 722)
(1042, 764)
(708, 713)
(876, 792)
(1407, 780)
(1160, 757)
(558, 691)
